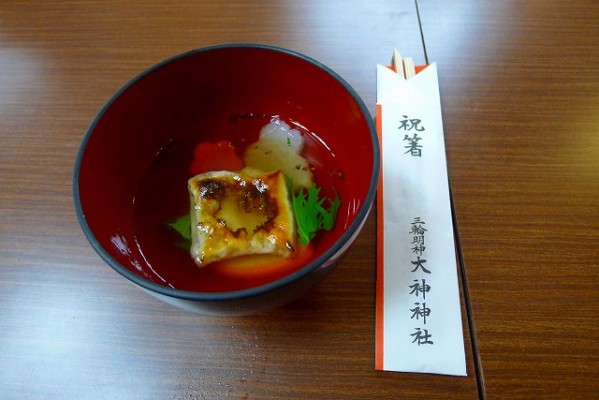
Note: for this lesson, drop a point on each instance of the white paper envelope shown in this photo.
(419, 324)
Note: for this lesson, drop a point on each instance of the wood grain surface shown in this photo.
(520, 93)
(519, 84)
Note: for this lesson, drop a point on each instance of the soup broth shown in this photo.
(162, 195)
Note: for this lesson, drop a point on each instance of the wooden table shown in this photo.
(519, 84)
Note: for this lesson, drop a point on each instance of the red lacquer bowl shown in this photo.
(132, 167)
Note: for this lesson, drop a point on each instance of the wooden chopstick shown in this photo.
(404, 66)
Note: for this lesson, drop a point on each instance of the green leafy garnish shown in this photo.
(310, 214)
(182, 225)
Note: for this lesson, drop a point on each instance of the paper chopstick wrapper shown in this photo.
(418, 317)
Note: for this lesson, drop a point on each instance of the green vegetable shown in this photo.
(310, 214)
(182, 225)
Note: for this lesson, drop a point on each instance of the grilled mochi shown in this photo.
(235, 214)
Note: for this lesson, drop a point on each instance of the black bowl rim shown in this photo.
(254, 291)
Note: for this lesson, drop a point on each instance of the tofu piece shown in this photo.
(235, 214)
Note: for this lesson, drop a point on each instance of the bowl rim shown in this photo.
(327, 255)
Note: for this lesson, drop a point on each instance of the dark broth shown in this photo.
(162, 195)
